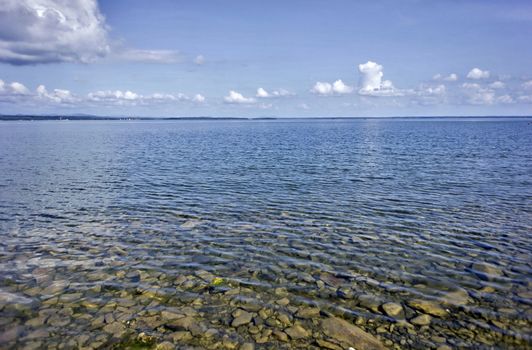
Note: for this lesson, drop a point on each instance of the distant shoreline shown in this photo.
(110, 118)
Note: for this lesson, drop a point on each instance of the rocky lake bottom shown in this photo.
(122, 236)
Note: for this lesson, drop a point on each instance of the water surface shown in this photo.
(105, 225)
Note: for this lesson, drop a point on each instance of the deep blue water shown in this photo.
(398, 209)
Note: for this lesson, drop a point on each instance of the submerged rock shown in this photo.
(486, 271)
(349, 335)
(392, 309)
(421, 320)
(308, 312)
(428, 307)
(241, 317)
(457, 297)
(297, 332)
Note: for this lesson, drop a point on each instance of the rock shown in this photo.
(457, 297)
(165, 346)
(116, 329)
(297, 332)
(444, 347)
(349, 335)
(308, 312)
(283, 302)
(428, 307)
(369, 302)
(241, 317)
(284, 319)
(486, 271)
(392, 309)
(421, 320)
(169, 315)
(345, 293)
(281, 336)
(328, 345)
(181, 324)
(247, 346)
(180, 336)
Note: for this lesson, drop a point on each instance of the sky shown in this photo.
(275, 58)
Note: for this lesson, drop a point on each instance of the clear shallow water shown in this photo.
(203, 218)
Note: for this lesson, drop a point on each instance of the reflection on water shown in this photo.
(266, 234)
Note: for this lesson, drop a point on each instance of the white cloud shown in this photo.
(128, 97)
(505, 99)
(497, 85)
(43, 31)
(57, 95)
(199, 60)
(371, 83)
(198, 98)
(149, 56)
(340, 88)
(19, 89)
(322, 88)
(527, 85)
(477, 73)
(450, 77)
(237, 98)
(327, 89)
(263, 93)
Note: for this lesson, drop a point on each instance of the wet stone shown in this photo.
(308, 312)
(428, 307)
(241, 317)
(421, 320)
(392, 309)
(486, 271)
(349, 335)
(165, 346)
(297, 332)
(181, 324)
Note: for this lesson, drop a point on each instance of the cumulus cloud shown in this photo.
(477, 73)
(43, 31)
(198, 98)
(199, 60)
(9, 91)
(119, 97)
(49, 31)
(263, 93)
(527, 85)
(497, 85)
(336, 88)
(56, 96)
(372, 83)
(237, 98)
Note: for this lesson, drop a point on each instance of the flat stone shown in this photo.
(350, 335)
(116, 329)
(308, 312)
(247, 346)
(169, 315)
(280, 335)
(241, 317)
(283, 302)
(297, 332)
(486, 271)
(392, 309)
(428, 307)
(166, 345)
(369, 302)
(421, 320)
(328, 345)
(181, 324)
(180, 336)
(456, 297)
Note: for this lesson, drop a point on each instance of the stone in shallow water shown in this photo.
(165, 346)
(457, 297)
(247, 346)
(308, 312)
(392, 309)
(241, 317)
(116, 329)
(350, 335)
(421, 320)
(297, 332)
(486, 271)
(328, 345)
(181, 324)
(428, 307)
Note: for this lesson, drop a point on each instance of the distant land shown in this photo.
(29, 117)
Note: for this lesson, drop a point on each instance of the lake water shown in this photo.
(227, 234)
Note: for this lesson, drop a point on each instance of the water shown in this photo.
(106, 224)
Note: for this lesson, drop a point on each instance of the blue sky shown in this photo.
(266, 58)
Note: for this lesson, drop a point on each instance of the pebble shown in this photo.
(297, 332)
(421, 320)
(392, 309)
(241, 317)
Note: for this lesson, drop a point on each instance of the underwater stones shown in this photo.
(241, 317)
(166, 345)
(181, 324)
(328, 345)
(348, 334)
(180, 336)
(116, 329)
(55, 287)
(486, 271)
(297, 332)
(70, 297)
(428, 307)
(456, 297)
(421, 320)
(170, 315)
(247, 346)
(283, 301)
(392, 309)
(284, 319)
(280, 335)
(307, 312)
(369, 302)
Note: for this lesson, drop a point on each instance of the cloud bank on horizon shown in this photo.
(156, 76)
